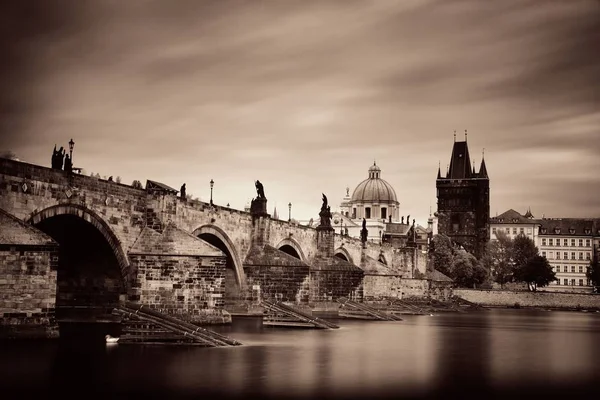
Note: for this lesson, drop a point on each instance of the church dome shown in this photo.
(374, 189)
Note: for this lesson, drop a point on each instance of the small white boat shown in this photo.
(110, 339)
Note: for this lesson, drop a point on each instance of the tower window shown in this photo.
(384, 213)
(354, 213)
(455, 223)
(367, 212)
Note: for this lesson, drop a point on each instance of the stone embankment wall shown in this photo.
(28, 292)
(507, 298)
(381, 287)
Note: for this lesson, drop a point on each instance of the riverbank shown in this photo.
(536, 300)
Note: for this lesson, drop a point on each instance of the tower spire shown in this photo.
(455, 135)
(439, 175)
(465, 135)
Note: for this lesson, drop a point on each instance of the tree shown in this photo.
(537, 272)
(137, 184)
(442, 253)
(523, 250)
(593, 271)
(8, 154)
(499, 258)
(467, 270)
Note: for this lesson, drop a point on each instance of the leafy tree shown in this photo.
(137, 184)
(523, 250)
(537, 272)
(467, 270)
(499, 258)
(593, 271)
(442, 254)
(8, 155)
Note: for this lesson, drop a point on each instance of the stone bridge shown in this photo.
(152, 246)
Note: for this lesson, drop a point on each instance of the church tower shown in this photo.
(463, 197)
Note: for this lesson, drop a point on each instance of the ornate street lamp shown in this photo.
(212, 183)
(71, 145)
(290, 212)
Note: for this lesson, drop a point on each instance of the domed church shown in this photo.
(373, 199)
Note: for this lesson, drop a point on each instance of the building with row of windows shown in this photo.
(567, 243)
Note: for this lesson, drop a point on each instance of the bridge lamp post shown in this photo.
(290, 212)
(212, 183)
(71, 145)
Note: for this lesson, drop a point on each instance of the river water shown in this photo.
(501, 352)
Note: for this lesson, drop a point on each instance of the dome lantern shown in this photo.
(374, 189)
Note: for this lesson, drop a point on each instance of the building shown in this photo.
(463, 201)
(513, 223)
(568, 245)
(375, 200)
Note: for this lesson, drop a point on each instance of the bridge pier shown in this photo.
(28, 260)
(180, 275)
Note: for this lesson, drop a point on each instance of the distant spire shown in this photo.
(483, 170)
(465, 135)
(275, 216)
(474, 173)
(455, 135)
(439, 175)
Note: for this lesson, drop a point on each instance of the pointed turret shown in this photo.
(483, 170)
(275, 216)
(439, 176)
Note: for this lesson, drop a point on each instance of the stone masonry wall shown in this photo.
(506, 298)
(188, 287)
(381, 287)
(331, 285)
(278, 282)
(28, 292)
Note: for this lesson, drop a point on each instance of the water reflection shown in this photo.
(420, 356)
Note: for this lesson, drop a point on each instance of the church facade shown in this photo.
(463, 201)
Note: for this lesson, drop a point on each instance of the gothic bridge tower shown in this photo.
(463, 201)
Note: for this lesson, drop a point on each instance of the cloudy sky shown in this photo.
(304, 95)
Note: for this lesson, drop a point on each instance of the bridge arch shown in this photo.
(93, 218)
(343, 254)
(292, 247)
(92, 271)
(208, 233)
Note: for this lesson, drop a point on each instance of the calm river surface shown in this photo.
(505, 353)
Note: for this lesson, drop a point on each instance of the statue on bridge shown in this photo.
(259, 189)
(364, 232)
(325, 213)
(58, 158)
(182, 192)
(68, 164)
(258, 206)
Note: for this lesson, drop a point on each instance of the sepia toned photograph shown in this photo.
(287, 199)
